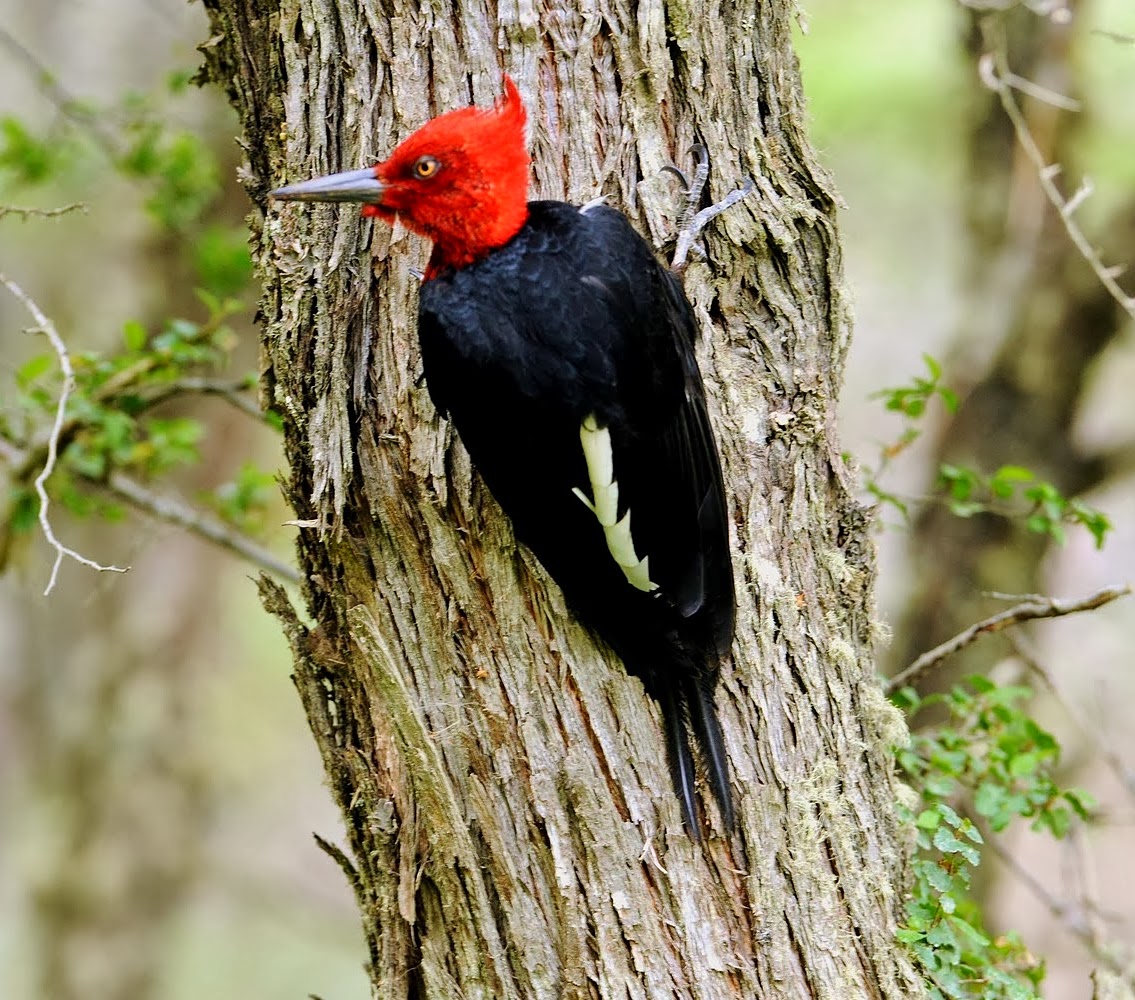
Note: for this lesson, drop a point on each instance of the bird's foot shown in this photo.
(692, 222)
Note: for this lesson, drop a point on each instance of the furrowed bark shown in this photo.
(505, 788)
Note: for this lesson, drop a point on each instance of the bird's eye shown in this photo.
(425, 167)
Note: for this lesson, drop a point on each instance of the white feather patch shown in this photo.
(600, 460)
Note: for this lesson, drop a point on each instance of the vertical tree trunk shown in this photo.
(504, 784)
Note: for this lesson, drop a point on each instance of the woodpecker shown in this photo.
(563, 353)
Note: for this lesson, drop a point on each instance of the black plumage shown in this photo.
(574, 318)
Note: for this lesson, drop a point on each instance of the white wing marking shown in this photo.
(597, 453)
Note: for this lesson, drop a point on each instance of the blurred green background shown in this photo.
(158, 788)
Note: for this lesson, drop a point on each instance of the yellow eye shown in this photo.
(426, 167)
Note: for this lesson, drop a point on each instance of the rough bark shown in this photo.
(512, 830)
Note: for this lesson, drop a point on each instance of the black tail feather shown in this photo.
(681, 761)
(707, 732)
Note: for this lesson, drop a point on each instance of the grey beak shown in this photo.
(352, 185)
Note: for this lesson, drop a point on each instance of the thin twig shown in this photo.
(1061, 910)
(1039, 93)
(47, 328)
(174, 511)
(995, 74)
(229, 391)
(67, 104)
(1091, 732)
(345, 864)
(1089, 888)
(1028, 610)
(1070, 917)
(42, 213)
(1115, 36)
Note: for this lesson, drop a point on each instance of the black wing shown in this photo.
(575, 319)
(666, 458)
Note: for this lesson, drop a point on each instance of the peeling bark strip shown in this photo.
(504, 783)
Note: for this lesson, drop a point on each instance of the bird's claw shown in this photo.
(692, 222)
(692, 189)
(671, 169)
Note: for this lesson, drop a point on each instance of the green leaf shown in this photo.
(33, 369)
(989, 799)
(970, 933)
(1082, 803)
(178, 81)
(1024, 764)
(30, 159)
(966, 509)
(980, 683)
(939, 879)
(23, 510)
(134, 335)
(223, 261)
(1014, 473)
(941, 937)
(928, 819)
(945, 841)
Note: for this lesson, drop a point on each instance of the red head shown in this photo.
(461, 180)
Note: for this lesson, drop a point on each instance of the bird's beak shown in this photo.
(352, 185)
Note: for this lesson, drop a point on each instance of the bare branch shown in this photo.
(47, 328)
(174, 511)
(1089, 888)
(1115, 36)
(1032, 608)
(995, 74)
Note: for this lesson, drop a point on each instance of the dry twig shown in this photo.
(47, 328)
(997, 76)
(42, 213)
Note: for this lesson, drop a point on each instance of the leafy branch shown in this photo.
(993, 754)
(95, 437)
(88, 427)
(1012, 491)
(1044, 509)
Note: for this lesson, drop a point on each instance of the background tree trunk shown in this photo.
(1037, 322)
(504, 784)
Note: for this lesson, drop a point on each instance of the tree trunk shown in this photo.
(504, 784)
